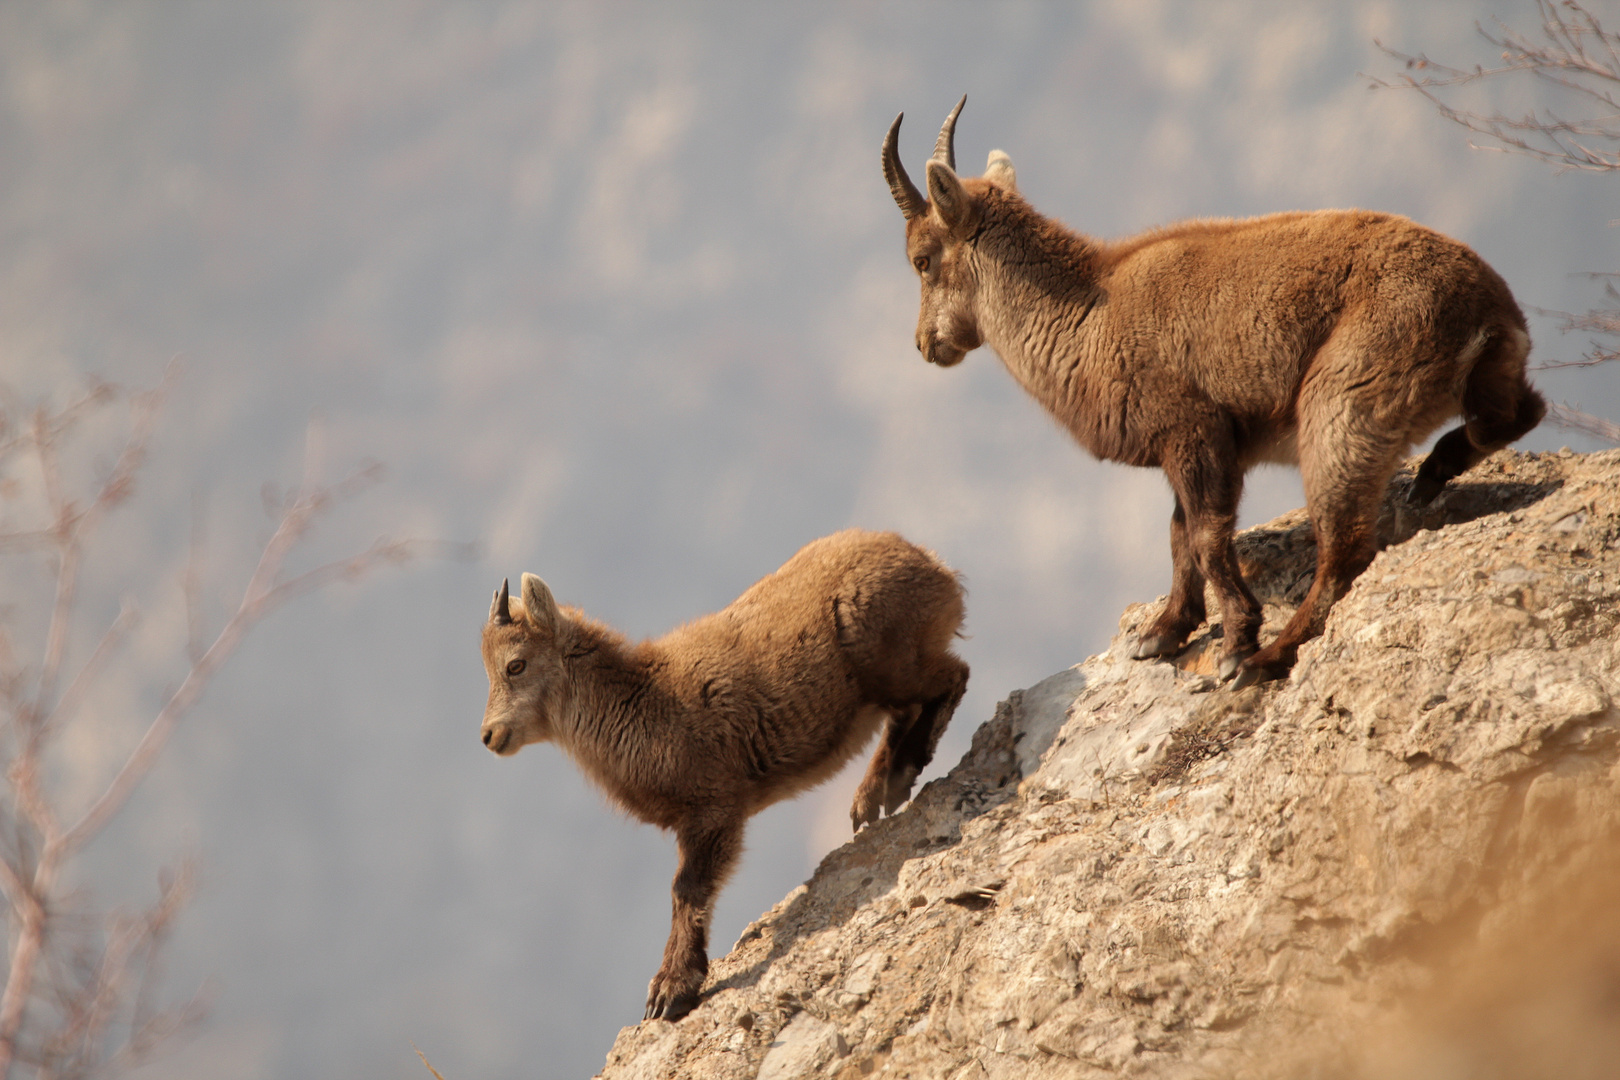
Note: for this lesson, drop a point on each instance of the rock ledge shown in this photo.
(1135, 873)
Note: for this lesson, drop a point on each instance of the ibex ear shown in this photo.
(539, 606)
(1000, 172)
(947, 197)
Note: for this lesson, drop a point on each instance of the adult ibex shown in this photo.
(1333, 340)
(720, 718)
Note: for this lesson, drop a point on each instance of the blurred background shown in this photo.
(617, 291)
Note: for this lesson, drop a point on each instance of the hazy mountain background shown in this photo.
(618, 291)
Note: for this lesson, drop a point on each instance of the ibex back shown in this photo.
(720, 718)
(1334, 340)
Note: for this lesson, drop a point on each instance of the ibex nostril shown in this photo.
(488, 735)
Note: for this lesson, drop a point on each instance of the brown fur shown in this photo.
(721, 717)
(1334, 340)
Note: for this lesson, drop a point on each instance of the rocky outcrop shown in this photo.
(1135, 872)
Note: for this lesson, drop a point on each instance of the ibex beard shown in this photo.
(702, 728)
(1335, 340)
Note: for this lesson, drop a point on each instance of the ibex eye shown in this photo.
(921, 263)
(515, 667)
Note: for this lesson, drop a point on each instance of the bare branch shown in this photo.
(12, 883)
(436, 1074)
(97, 392)
(77, 992)
(190, 584)
(1573, 419)
(1603, 321)
(150, 1025)
(66, 573)
(111, 638)
(383, 552)
(262, 595)
(1578, 55)
(74, 527)
(93, 1007)
(29, 938)
(1592, 359)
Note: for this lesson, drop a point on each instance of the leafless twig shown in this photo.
(1572, 419)
(1602, 321)
(1577, 55)
(436, 1074)
(77, 999)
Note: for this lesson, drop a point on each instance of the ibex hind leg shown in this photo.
(873, 792)
(1346, 474)
(947, 685)
(1500, 407)
(909, 739)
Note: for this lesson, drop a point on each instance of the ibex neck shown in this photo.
(616, 710)
(1038, 284)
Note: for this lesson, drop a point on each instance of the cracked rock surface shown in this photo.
(1135, 872)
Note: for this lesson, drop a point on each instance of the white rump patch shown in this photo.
(1475, 346)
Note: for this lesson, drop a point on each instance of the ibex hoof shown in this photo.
(867, 807)
(900, 784)
(1424, 490)
(1247, 677)
(1250, 674)
(1153, 645)
(672, 996)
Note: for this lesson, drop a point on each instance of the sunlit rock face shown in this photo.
(1390, 864)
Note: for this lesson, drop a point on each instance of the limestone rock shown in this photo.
(1134, 872)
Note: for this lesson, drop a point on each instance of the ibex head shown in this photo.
(940, 231)
(527, 684)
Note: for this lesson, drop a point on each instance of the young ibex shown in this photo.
(1333, 340)
(722, 717)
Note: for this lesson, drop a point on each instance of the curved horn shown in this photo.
(945, 145)
(500, 609)
(911, 201)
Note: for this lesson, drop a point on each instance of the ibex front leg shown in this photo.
(708, 852)
(1208, 483)
(1185, 609)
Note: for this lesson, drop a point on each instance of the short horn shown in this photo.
(500, 609)
(910, 200)
(945, 145)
